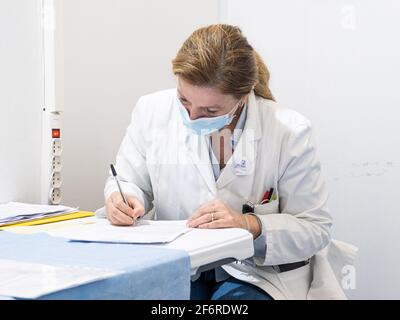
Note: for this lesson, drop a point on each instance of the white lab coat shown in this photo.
(166, 166)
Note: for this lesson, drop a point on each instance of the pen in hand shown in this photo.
(114, 173)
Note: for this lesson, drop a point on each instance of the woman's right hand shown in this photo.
(121, 214)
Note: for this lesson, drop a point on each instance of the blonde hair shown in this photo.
(219, 56)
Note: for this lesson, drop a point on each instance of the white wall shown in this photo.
(337, 62)
(109, 54)
(21, 98)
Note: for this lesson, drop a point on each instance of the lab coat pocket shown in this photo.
(266, 208)
(297, 282)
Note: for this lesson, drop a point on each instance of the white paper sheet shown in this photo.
(16, 211)
(145, 231)
(18, 208)
(32, 280)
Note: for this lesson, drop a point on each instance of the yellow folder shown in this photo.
(67, 216)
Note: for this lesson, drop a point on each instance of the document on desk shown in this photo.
(13, 212)
(32, 280)
(145, 231)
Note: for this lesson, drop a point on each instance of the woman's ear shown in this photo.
(246, 98)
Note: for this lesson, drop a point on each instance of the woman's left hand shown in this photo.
(216, 214)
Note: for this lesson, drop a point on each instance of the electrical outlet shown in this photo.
(56, 164)
(56, 179)
(56, 146)
(55, 195)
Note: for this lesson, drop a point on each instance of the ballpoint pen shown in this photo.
(114, 173)
(267, 196)
(271, 191)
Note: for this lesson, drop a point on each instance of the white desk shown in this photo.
(207, 248)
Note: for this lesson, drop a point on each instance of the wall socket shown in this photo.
(56, 147)
(55, 195)
(56, 179)
(56, 164)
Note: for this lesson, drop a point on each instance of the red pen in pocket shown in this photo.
(267, 196)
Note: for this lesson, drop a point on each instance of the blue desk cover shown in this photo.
(149, 272)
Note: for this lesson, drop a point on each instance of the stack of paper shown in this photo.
(15, 212)
(32, 280)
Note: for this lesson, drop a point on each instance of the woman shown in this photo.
(217, 146)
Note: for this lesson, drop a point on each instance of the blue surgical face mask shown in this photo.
(206, 126)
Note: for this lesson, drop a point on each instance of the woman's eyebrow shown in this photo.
(180, 93)
(205, 107)
(211, 107)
